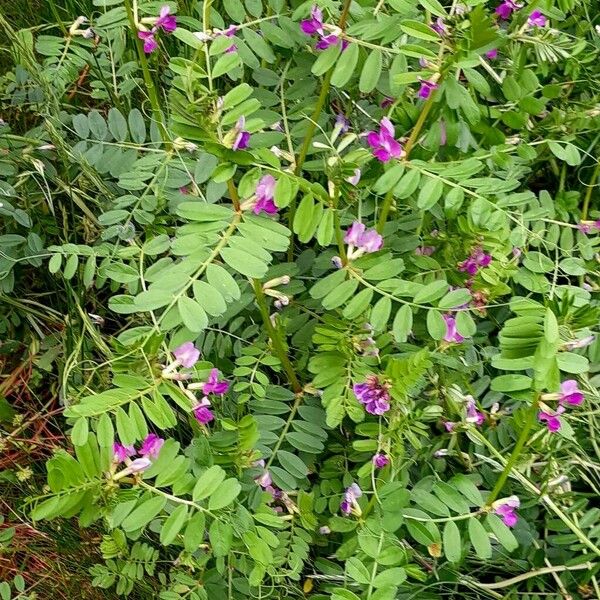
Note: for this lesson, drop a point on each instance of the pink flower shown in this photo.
(478, 259)
(449, 426)
(150, 44)
(242, 137)
(202, 413)
(151, 446)
(329, 40)
(365, 240)
(473, 415)
(586, 226)
(373, 395)
(349, 502)
(426, 88)
(537, 19)
(492, 54)
(570, 393)
(265, 191)
(380, 460)
(121, 452)
(383, 143)
(452, 336)
(506, 510)
(439, 26)
(551, 418)
(187, 354)
(166, 21)
(505, 10)
(139, 465)
(215, 386)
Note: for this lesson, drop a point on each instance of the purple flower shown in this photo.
(315, 23)
(586, 226)
(537, 19)
(365, 240)
(215, 386)
(354, 179)
(121, 452)
(449, 426)
(506, 510)
(380, 460)
(506, 9)
(151, 446)
(371, 241)
(424, 250)
(570, 393)
(373, 395)
(386, 102)
(187, 354)
(265, 193)
(551, 418)
(203, 414)
(242, 137)
(452, 335)
(355, 233)
(329, 40)
(478, 259)
(342, 122)
(351, 494)
(139, 465)
(166, 21)
(492, 54)
(473, 415)
(150, 44)
(383, 143)
(232, 48)
(439, 26)
(426, 88)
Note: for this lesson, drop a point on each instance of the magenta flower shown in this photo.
(478, 259)
(426, 88)
(505, 10)
(166, 21)
(350, 496)
(386, 102)
(355, 178)
(265, 193)
(150, 43)
(537, 19)
(439, 26)
(380, 460)
(187, 354)
(363, 239)
(570, 393)
(373, 395)
(329, 40)
(452, 336)
(506, 510)
(315, 23)
(383, 143)
(242, 137)
(492, 54)
(215, 386)
(551, 418)
(202, 413)
(121, 452)
(151, 446)
(473, 415)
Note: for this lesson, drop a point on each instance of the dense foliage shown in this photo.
(312, 292)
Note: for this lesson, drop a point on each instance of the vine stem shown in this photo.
(148, 80)
(510, 463)
(273, 333)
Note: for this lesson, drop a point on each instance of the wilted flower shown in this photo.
(355, 178)
(324, 530)
(373, 395)
(213, 385)
(380, 460)
(121, 452)
(577, 344)
(151, 446)
(452, 335)
(587, 226)
(506, 9)
(265, 194)
(349, 503)
(426, 88)
(187, 354)
(424, 250)
(537, 19)
(449, 426)
(363, 239)
(386, 102)
(439, 26)
(505, 508)
(139, 465)
(342, 123)
(383, 143)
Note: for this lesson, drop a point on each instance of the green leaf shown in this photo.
(340, 294)
(143, 514)
(173, 525)
(455, 298)
(244, 263)
(105, 432)
(503, 534)
(209, 298)
(79, 433)
(225, 494)
(431, 292)
(220, 535)
(194, 532)
(430, 193)
(465, 324)
(226, 63)
(434, 7)
(403, 322)
(192, 314)
(205, 213)
(325, 60)
(371, 72)
(208, 482)
(480, 539)
(223, 282)
(345, 66)
(436, 326)
(419, 30)
(452, 542)
(357, 571)
(292, 463)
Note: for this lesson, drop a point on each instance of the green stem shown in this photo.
(588, 192)
(530, 421)
(278, 347)
(152, 93)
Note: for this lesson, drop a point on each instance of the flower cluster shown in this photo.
(383, 142)
(148, 452)
(165, 22)
(569, 394)
(478, 259)
(373, 394)
(213, 385)
(315, 25)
